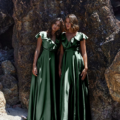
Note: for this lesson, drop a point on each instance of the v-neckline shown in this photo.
(50, 38)
(71, 38)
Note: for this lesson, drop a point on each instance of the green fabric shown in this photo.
(42, 100)
(74, 94)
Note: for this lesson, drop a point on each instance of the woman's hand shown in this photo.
(59, 72)
(84, 55)
(34, 70)
(84, 73)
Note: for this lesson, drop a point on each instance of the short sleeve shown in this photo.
(80, 36)
(40, 34)
(83, 36)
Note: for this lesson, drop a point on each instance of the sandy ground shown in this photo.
(13, 113)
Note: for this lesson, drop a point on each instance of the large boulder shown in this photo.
(116, 6)
(112, 75)
(10, 89)
(6, 11)
(8, 68)
(5, 21)
(2, 103)
(96, 20)
(103, 45)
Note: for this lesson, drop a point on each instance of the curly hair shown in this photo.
(74, 22)
(58, 33)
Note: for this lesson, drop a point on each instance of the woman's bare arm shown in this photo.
(36, 54)
(84, 55)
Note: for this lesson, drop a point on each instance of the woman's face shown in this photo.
(67, 24)
(56, 26)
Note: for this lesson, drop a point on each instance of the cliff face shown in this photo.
(103, 45)
(97, 20)
(6, 20)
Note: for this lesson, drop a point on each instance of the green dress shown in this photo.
(74, 97)
(42, 100)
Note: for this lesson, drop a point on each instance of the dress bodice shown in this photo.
(48, 43)
(74, 43)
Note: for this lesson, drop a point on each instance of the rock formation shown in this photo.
(2, 103)
(99, 20)
(6, 20)
(9, 84)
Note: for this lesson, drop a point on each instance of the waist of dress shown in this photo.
(49, 49)
(72, 49)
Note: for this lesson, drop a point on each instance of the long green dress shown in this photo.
(74, 97)
(42, 100)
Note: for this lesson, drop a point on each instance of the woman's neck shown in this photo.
(53, 33)
(70, 31)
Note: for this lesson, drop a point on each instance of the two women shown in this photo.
(74, 103)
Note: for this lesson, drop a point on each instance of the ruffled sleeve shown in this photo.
(83, 36)
(80, 36)
(42, 34)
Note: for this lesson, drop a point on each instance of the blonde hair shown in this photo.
(74, 22)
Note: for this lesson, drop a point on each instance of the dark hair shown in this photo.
(74, 22)
(58, 33)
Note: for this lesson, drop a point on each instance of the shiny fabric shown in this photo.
(74, 94)
(42, 100)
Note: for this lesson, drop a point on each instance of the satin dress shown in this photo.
(42, 100)
(74, 94)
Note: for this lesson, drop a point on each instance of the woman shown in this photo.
(74, 102)
(42, 100)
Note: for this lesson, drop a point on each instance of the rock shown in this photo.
(111, 46)
(116, 6)
(1, 72)
(102, 46)
(8, 68)
(2, 103)
(96, 20)
(6, 11)
(112, 75)
(6, 8)
(6, 55)
(1, 87)
(5, 21)
(3, 55)
(10, 89)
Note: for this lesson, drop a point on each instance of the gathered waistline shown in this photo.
(72, 49)
(51, 50)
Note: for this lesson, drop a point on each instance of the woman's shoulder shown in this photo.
(41, 33)
(80, 36)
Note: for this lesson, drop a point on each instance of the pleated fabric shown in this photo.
(42, 98)
(74, 93)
